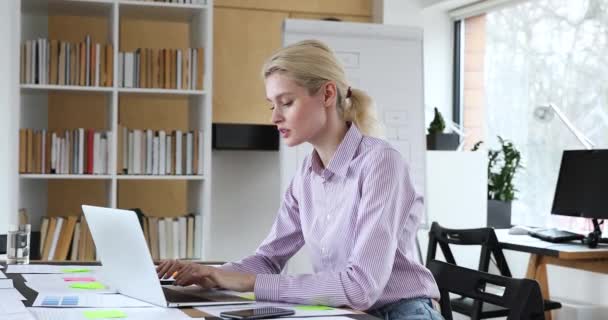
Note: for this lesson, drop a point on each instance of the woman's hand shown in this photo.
(210, 277)
(167, 268)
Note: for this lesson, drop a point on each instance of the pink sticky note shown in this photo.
(79, 279)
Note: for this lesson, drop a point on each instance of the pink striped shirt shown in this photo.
(358, 218)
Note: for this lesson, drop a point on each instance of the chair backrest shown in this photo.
(484, 237)
(521, 296)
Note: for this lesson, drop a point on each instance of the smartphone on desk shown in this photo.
(257, 313)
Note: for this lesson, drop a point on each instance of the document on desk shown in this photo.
(87, 300)
(6, 283)
(70, 287)
(55, 277)
(300, 310)
(11, 294)
(129, 313)
(2, 275)
(46, 268)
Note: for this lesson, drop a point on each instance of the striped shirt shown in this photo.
(358, 218)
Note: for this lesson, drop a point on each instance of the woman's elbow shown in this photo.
(363, 299)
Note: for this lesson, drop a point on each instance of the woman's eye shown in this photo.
(288, 104)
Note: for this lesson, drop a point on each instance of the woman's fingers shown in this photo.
(163, 267)
(195, 274)
(168, 267)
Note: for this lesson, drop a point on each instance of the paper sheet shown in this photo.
(6, 283)
(10, 304)
(87, 300)
(25, 315)
(2, 275)
(11, 294)
(300, 310)
(155, 313)
(64, 287)
(45, 268)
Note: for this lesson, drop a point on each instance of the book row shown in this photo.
(173, 238)
(161, 68)
(177, 1)
(66, 238)
(160, 153)
(77, 151)
(57, 62)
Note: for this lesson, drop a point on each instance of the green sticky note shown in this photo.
(104, 314)
(87, 285)
(248, 296)
(75, 270)
(314, 308)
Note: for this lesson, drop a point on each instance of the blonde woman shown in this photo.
(352, 202)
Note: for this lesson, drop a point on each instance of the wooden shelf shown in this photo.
(65, 176)
(52, 87)
(160, 177)
(119, 23)
(68, 7)
(159, 10)
(162, 91)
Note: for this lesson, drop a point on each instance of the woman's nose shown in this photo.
(276, 116)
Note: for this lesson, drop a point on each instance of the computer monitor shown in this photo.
(582, 185)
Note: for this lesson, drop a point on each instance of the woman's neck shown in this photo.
(326, 147)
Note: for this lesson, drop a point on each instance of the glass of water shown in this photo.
(18, 244)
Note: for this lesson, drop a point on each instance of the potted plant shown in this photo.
(436, 139)
(503, 164)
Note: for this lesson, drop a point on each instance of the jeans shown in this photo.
(408, 309)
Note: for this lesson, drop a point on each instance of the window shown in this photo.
(533, 53)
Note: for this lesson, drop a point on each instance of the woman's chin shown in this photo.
(290, 142)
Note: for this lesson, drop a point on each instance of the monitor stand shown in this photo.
(595, 237)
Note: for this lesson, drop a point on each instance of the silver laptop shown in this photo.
(128, 266)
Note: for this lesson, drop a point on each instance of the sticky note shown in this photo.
(79, 279)
(248, 296)
(313, 308)
(75, 270)
(87, 285)
(104, 314)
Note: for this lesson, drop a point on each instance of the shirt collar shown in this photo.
(340, 161)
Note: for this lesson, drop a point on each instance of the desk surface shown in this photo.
(568, 250)
(30, 294)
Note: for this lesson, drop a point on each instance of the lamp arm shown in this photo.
(581, 137)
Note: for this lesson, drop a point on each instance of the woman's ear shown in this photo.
(330, 94)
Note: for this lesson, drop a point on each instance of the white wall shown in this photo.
(245, 199)
(438, 43)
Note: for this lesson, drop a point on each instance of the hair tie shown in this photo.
(349, 93)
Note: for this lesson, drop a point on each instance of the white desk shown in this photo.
(571, 254)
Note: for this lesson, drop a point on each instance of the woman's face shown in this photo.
(299, 117)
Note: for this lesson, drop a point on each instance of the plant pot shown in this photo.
(442, 141)
(499, 214)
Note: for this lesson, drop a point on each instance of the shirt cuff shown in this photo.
(266, 287)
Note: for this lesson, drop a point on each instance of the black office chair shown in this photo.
(521, 297)
(486, 238)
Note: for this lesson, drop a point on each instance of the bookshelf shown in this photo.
(126, 26)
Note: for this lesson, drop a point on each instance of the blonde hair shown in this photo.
(311, 64)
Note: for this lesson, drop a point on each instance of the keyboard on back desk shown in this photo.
(555, 235)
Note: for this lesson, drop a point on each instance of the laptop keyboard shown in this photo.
(555, 235)
(181, 297)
